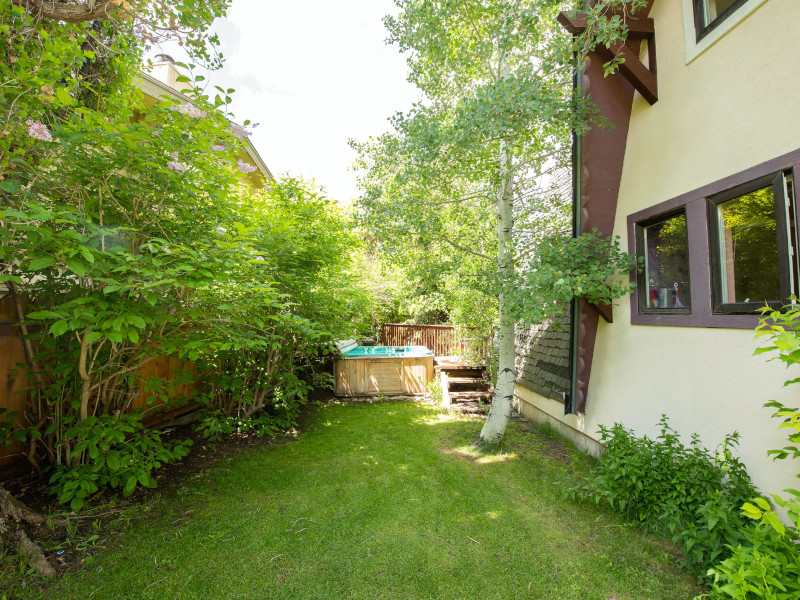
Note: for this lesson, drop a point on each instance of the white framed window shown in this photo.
(706, 21)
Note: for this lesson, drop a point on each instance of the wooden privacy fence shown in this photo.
(441, 339)
(13, 381)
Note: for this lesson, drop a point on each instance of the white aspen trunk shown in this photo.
(495, 427)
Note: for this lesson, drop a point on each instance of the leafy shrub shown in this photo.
(435, 389)
(111, 452)
(766, 564)
(686, 491)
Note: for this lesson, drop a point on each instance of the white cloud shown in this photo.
(313, 74)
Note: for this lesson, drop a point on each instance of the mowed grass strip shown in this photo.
(379, 501)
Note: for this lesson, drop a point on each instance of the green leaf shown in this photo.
(59, 328)
(763, 504)
(78, 268)
(92, 337)
(87, 254)
(76, 504)
(9, 186)
(41, 263)
(63, 97)
(43, 314)
(772, 519)
(137, 321)
(751, 511)
(112, 460)
(130, 485)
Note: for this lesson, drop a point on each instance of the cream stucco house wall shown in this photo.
(727, 114)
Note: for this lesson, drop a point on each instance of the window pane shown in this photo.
(667, 264)
(749, 248)
(711, 10)
(717, 7)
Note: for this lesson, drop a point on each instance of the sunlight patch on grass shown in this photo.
(382, 505)
(479, 457)
(440, 417)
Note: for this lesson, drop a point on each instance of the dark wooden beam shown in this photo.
(640, 77)
(605, 311)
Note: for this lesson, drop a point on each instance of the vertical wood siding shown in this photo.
(13, 380)
(389, 376)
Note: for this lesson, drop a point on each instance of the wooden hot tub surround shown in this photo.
(391, 371)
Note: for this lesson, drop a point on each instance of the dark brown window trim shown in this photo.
(696, 206)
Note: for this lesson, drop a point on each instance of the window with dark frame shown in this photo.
(708, 14)
(753, 241)
(664, 281)
(742, 247)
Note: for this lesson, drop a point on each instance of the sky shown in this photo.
(313, 74)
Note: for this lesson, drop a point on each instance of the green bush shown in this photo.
(686, 491)
(766, 564)
(110, 452)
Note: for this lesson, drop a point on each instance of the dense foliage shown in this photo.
(736, 540)
(128, 232)
(474, 174)
(686, 491)
(766, 563)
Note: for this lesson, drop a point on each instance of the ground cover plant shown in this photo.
(384, 500)
(732, 537)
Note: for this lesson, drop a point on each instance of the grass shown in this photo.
(378, 501)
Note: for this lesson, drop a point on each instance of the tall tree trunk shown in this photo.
(495, 427)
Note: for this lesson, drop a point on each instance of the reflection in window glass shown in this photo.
(667, 264)
(712, 9)
(749, 248)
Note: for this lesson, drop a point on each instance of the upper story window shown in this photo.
(707, 21)
(708, 14)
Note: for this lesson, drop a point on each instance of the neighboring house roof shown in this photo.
(156, 88)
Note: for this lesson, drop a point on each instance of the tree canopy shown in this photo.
(476, 168)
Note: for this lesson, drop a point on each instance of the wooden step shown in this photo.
(466, 380)
(460, 372)
(466, 396)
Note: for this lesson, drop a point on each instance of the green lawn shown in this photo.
(379, 501)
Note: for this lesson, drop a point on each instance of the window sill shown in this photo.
(695, 320)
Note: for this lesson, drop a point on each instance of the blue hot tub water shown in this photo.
(387, 352)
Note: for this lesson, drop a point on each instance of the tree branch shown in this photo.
(69, 12)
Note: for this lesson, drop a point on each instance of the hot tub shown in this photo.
(387, 370)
